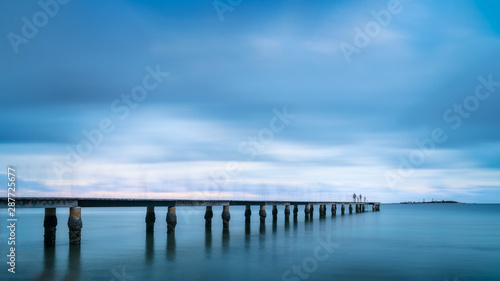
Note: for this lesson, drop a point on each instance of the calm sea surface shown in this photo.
(401, 242)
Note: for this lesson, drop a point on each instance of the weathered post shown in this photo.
(342, 209)
(75, 225)
(171, 220)
(322, 211)
(350, 208)
(334, 209)
(150, 219)
(209, 214)
(295, 212)
(311, 210)
(287, 213)
(363, 208)
(50, 223)
(306, 211)
(262, 214)
(248, 213)
(275, 213)
(225, 216)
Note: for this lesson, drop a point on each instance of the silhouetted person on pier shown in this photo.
(354, 197)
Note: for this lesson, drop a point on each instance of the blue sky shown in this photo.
(261, 100)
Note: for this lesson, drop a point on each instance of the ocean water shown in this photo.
(401, 242)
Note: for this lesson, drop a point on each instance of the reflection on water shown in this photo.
(287, 228)
(247, 228)
(322, 224)
(108, 254)
(171, 246)
(150, 247)
(208, 241)
(308, 224)
(225, 239)
(262, 235)
(247, 235)
(73, 272)
(49, 260)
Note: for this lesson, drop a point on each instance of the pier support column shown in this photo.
(311, 211)
(248, 213)
(334, 209)
(171, 220)
(275, 213)
(225, 216)
(75, 225)
(150, 219)
(363, 208)
(342, 209)
(307, 211)
(322, 211)
(287, 213)
(209, 214)
(262, 214)
(50, 223)
(295, 212)
(350, 208)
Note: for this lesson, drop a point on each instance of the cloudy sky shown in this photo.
(396, 100)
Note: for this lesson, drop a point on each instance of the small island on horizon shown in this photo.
(432, 202)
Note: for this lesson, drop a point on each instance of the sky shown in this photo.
(254, 100)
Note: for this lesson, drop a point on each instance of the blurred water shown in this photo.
(401, 242)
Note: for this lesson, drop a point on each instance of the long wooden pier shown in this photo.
(75, 204)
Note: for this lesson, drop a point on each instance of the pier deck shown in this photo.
(62, 202)
(75, 205)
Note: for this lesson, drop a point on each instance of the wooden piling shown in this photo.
(49, 224)
(150, 219)
(248, 213)
(209, 214)
(287, 213)
(322, 211)
(75, 225)
(225, 216)
(262, 214)
(295, 212)
(171, 220)
(275, 213)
